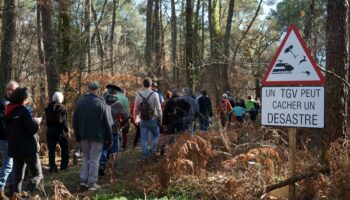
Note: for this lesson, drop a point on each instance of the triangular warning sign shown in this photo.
(293, 63)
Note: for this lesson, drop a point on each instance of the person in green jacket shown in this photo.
(250, 105)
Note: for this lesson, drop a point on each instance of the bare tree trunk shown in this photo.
(87, 33)
(309, 20)
(157, 37)
(227, 45)
(99, 38)
(64, 36)
(189, 43)
(8, 37)
(111, 38)
(338, 62)
(173, 39)
(216, 45)
(41, 67)
(52, 70)
(149, 33)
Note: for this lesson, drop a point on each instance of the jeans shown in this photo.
(7, 162)
(91, 156)
(19, 167)
(189, 125)
(106, 151)
(147, 127)
(54, 136)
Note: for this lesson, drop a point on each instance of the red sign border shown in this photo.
(264, 82)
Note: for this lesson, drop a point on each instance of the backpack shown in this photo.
(145, 108)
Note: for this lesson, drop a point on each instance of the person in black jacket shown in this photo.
(57, 131)
(175, 113)
(205, 111)
(23, 144)
(92, 122)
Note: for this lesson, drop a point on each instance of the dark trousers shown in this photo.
(53, 137)
(125, 131)
(137, 135)
(19, 167)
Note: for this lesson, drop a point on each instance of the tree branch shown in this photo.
(248, 28)
(293, 180)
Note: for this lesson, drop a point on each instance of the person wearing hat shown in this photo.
(120, 118)
(121, 94)
(92, 122)
(155, 88)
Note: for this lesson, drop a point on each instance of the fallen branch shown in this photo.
(293, 180)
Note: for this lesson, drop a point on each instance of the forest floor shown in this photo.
(238, 163)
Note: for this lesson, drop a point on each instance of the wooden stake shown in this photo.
(291, 161)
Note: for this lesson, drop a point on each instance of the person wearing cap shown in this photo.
(92, 122)
(155, 88)
(223, 108)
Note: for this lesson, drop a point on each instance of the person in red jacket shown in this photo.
(223, 108)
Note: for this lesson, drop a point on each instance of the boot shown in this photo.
(3, 196)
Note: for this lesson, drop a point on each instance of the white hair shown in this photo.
(13, 84)
(58, 97)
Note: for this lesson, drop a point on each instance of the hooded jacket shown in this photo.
(21, 129)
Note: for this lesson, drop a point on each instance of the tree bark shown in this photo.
(99, 38)
(173, 39)
(216, 37)
(8, 38)
(111, 38)
(158, 38)
(52, 70)
(189, 43)
(227, 45)
(42, 82)
(65, 40)
(309, 20)
(149, 33)
(87, 33)
(337, 29)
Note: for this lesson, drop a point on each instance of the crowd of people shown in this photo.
(101, 122)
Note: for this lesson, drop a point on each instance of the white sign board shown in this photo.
(293, 106)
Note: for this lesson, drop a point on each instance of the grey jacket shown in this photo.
(92, 119)
(153, 101)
